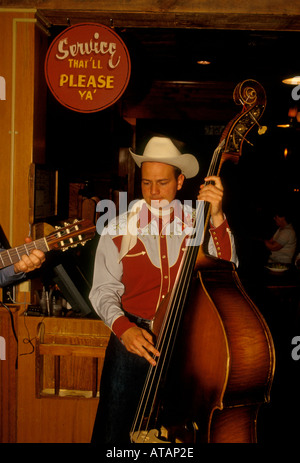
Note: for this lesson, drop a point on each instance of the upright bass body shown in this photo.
(225, 363)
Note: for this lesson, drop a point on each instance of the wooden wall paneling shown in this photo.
(5, 120)
(22, 119)
(40, 96)
(8, 375)
(17, 48)
(23, 104)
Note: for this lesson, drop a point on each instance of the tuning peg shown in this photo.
(262, 129)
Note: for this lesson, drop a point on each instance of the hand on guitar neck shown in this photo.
(28, 263)
(31, 254)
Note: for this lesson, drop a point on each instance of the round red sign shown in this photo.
(87, 67)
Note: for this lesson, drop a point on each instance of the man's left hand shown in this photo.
(212, 192)
(29, 263)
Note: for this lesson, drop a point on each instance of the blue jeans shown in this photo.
(122, 381)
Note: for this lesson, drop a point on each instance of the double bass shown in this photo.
(217, 357)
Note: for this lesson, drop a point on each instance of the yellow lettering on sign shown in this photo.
(109, 82)
(96, 64)
(71, 81)
(81, 80)
(84, 81)
(63, 79)
(91, 82)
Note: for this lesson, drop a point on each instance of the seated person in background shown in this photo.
(15, 273)
(283, 243)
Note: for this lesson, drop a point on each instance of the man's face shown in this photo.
(159, 184)
(280, 221)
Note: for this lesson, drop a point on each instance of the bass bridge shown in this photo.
(172, 435)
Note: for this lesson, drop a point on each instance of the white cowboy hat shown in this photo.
(161, 149)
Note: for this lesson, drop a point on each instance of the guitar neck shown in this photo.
(13, 255)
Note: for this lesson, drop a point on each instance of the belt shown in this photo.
(139, 321)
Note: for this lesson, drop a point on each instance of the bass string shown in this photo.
(213, 168)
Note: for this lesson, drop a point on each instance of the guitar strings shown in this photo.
(13, 255)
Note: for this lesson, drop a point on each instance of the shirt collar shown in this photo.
(177, 216)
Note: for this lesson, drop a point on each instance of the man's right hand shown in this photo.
(140, 342)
